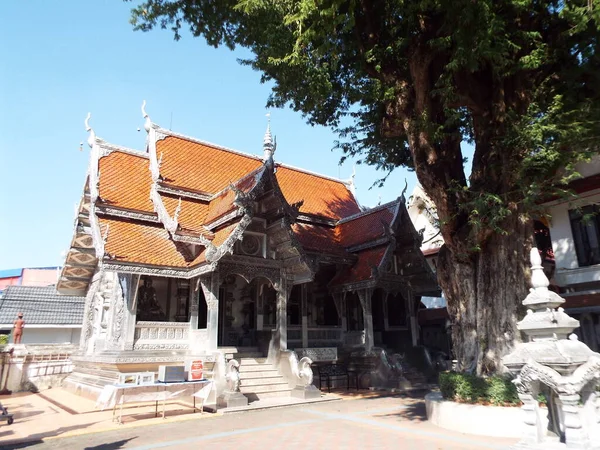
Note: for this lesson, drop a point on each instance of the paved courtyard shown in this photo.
(378, 422)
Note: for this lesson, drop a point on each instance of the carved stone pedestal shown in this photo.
(306, 392)
(232, 399)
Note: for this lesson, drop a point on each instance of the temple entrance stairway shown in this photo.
(258, 378)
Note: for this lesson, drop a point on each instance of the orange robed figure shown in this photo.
(19, 324)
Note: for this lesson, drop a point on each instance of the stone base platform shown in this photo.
(91, 373)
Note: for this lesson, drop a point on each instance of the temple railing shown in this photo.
(317, 335)
(161, 335)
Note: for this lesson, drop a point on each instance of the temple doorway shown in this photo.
(245, 309)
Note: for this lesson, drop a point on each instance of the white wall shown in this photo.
(563, 244)
(587, 169)
(51, 335)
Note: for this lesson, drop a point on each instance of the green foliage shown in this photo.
(467, 388)
(3, 339)
(404, 82)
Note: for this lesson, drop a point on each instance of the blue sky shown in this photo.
(61, 60)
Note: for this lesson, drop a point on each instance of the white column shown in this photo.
(304, 312)
(210, 287)
(365, 299)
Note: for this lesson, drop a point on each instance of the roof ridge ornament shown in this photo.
(92, 137)
(147, 122)
(269, 146)
(402, 197)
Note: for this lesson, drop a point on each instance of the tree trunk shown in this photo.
(484, 294)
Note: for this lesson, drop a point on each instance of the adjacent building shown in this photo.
(574, 229)
(50, 318)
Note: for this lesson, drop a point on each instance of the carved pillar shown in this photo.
(109, 305)
(193, 301)
(365, 300)
(129, 285)
(210, 287)
(340, 304)
(304, 313)
(384, 300)
(86, 341)
(283, 289)
(412, 315)
(575, 436)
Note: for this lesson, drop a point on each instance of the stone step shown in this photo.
(244, 355)
(252, 396)
(256, 368)
(258, 374)
(248, 360)
(259, 389)
(261, 380)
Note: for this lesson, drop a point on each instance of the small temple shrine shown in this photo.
(190, 248)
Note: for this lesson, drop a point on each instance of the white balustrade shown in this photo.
(161, 335)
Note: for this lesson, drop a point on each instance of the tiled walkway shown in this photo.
(367, 422)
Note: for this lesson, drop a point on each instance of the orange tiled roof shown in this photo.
(223, 203)
(365, 228)
(125, 181)
(192, 215)
(317, 238)
(362, 268)
(146, 244)
(224, 233)
(321, 196)
(199, 167)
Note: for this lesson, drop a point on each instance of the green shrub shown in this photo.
(501, 390)
(3, 339)
(467, 388)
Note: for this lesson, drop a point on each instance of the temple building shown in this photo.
(189, 248)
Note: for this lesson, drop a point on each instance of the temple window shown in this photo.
(585, 224)
(161, 299)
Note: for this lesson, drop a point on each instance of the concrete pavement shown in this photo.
(368, 422)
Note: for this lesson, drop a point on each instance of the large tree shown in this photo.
(404, 82)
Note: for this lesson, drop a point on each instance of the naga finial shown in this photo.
(402, 197)
(148, 122)
(92, 137)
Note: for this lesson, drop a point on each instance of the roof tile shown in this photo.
(140, 243)
(40, 306)
(365, 228)
(320, 196)
(199, 167)
(125, 181)
(362, 269)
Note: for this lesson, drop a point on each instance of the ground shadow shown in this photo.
(415, 412)
(24, 415)
(111, 445)
(35, 439)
